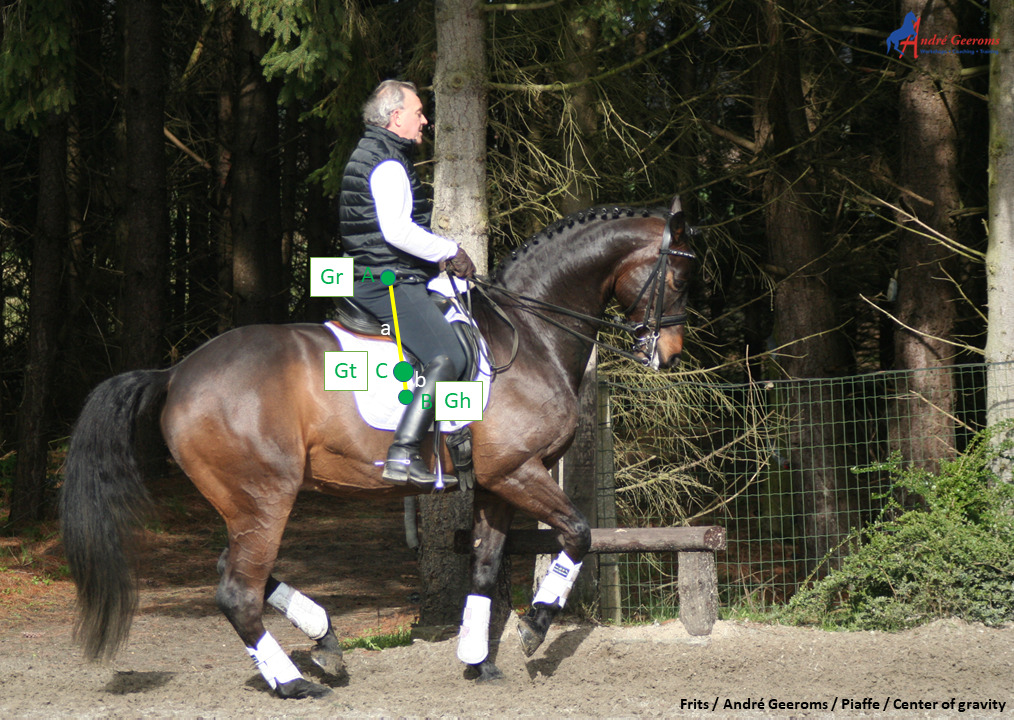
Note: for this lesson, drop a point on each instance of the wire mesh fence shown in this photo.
(789, 468)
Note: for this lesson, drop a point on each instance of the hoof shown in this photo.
(488, 672)
(531, 637)
(484, 672)
(329, 662)
(300, 688)
(327, 655)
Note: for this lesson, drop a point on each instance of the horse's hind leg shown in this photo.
(312, 620)
(307, 616)
(253, 547)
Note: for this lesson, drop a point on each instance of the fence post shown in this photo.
(698, 588)
(609, 571)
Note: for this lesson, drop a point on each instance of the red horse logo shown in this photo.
(905, 36)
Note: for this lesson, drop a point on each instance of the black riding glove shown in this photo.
(461, 265)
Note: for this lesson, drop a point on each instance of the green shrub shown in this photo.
(398, 638)
(951, 557)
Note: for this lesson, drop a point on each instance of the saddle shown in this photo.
(355, 317)
(358, 319)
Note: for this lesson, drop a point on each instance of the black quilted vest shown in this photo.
(360, 229)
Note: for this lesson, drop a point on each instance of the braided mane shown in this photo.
(562, 226)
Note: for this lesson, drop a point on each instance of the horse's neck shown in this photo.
(571, 269)
(572, 272)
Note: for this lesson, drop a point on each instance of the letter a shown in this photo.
(385, 329)
(368, 275)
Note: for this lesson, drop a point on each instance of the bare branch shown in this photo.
(187, 151)
(952, 343)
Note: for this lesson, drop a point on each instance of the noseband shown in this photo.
(647, 332)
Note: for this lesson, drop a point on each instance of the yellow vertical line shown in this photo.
(397, 331)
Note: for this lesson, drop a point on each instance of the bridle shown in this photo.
(646, 333)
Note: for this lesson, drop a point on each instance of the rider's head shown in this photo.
(395, 105)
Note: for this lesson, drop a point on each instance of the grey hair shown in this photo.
(388, 97)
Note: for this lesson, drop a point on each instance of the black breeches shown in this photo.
(424, 330)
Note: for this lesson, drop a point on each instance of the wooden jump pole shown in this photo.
(698, 573)
(623, 540)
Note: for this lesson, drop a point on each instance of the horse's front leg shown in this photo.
(492, 520)
(552, 593)
(533, 490)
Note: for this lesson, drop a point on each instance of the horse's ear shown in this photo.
(676, 223)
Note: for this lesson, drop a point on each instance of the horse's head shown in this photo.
(652, 285)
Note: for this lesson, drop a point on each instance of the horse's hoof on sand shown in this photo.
(300, 688)
(530, 636)
(332, 663)
(490, 676)
(484, 672)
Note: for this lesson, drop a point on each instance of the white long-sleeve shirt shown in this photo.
(392, 195)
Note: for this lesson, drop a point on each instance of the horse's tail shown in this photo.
(102, 500)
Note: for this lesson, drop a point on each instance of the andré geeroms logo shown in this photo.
(907, 38)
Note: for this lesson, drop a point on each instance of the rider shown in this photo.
(385, 226)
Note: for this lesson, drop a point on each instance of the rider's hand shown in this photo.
(461, 265)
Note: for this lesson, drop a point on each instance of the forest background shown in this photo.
(169, 168)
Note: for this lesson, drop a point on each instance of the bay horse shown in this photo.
(246, 417)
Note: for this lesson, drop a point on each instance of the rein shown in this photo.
(646, 333)
(482, 284)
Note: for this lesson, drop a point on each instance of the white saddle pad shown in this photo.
(379, 406)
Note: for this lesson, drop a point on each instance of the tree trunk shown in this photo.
(320, 215)
(926, 267)
(1000, 253)
(45, 310)
(459, 82)
(221, 195)
(143, 301)
(576, 470)
(257, 277)
(459, 212)
(804, 305)
(581, 35)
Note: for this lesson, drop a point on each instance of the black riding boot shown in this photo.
(404, 461)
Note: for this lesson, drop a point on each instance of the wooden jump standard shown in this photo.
(698, 574)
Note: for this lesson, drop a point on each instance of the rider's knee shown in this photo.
(454, 362)
(460, 364)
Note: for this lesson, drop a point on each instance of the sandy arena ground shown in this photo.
(184, 660)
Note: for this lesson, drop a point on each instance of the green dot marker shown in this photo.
(403, 371)
(405, 397)
(387, 277)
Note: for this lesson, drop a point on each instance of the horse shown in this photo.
(897, 39)
(247, 419)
